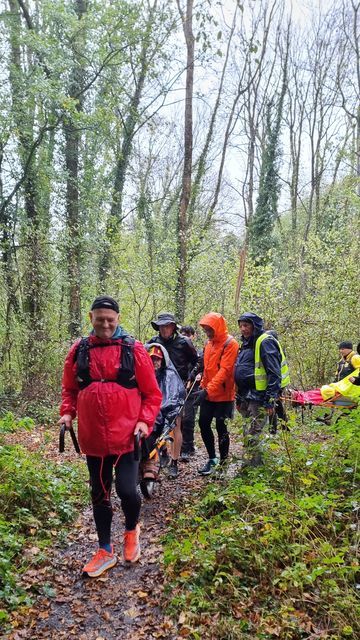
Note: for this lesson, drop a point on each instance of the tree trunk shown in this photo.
(187, 170)
(72, 151)
(34, 232)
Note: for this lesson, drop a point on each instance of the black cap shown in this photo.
(346, 344)
(105, 302)
(164, 319)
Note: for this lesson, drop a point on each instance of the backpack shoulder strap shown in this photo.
(82, 344)
(126, 374)
(81, 357)
(227, 341)
(127, 340)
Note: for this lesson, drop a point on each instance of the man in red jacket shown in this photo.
(110, 385)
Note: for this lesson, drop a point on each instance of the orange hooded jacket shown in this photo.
(219, 362)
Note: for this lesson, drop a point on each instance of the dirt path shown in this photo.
(124, 603)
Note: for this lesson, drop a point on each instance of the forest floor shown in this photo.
(125, 602)
(201, 574)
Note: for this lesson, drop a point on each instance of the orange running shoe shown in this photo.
(100, 562)
(131, 548)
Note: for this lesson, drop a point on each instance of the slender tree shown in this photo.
(72, 133)
(182, 223)
(35, 224)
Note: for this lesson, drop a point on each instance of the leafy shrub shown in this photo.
(36, 497)
(42, 412)
(9, 423)
(272, 553)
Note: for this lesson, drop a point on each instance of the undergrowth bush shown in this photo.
(9, 423)
(37, 499)
(273, 553)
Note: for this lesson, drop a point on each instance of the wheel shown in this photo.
(147, 488)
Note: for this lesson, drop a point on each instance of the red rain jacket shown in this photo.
(107, 412)
(218, 376)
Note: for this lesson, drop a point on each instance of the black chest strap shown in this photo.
(126, 372)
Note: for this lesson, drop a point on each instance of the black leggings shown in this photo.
(209, 410)
(101, 477)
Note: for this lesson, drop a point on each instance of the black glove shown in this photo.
(199, 397)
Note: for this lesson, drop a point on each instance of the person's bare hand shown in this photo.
(66, 419)
(142, 428)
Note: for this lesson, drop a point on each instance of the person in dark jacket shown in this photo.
(354, 380)
(280, 413)
(183, 355)
(189, 414)
(258, 383)
(349, 361)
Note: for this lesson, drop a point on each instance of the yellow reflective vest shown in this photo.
(344, 386)
(260, 373)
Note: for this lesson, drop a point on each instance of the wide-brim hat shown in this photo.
(164, 319)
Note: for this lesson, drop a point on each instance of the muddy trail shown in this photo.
(127, 601)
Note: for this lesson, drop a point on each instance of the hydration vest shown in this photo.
(126, 373)
(260, 373)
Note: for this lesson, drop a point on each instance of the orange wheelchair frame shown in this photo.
(158, 455)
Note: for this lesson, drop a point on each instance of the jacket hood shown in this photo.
(160, 346)
(255, 320)
(217, 322)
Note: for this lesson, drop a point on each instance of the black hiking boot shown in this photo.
(186, 456)
(173, 470)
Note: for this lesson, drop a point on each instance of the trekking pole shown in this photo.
(62, 438)
(137, 439)
(186, 399)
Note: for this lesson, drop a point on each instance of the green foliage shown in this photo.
(9, 424)
(40, 412)
(273, 553)
(262, 224)
(37, 499)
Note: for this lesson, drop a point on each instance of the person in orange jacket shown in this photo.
(216, 398)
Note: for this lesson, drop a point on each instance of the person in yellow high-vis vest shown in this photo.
(261, 371)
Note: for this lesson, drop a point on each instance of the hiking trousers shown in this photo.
(126, 479)
(222, 412)
(188, 425)
(253, 428)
